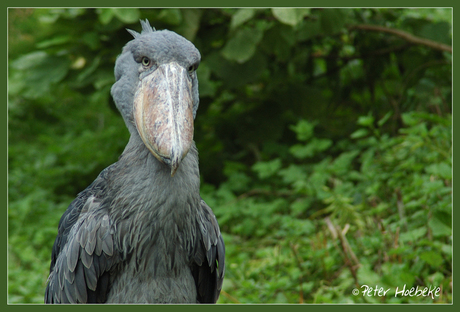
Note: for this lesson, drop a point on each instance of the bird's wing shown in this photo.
(209, 268)
(83, 252)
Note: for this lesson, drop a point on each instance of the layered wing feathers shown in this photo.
(83, 252)
(209, 257)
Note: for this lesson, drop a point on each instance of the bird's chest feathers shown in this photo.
(157, 243)
(158, 237)
(155, 213)
(160, 241)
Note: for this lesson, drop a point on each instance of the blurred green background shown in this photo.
(325, 140)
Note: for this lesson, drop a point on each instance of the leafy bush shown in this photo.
(324, 137)
(377, 214)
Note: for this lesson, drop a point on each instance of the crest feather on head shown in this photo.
(146, 28)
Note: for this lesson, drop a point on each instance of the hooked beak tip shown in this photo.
(172, 163)
(173, 170)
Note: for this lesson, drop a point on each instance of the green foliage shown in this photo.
(377, 214)
(325, 149)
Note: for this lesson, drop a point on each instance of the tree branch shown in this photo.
(404, 35)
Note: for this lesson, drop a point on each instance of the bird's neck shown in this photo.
(146, 188)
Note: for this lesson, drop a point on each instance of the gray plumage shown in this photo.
(140, 233)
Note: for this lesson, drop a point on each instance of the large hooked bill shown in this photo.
(163, 113)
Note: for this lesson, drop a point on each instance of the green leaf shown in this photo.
(38, 71)
(242, 46)
(436, 278)
(366, 121)
(292, 174)
(433, 258)
(170, 16)
(398, 274)
(127, 16)
(235, 74)
(436, 31)
(240, 17)
(442, 170)
(290, 16)
(332, 20)
(90, 69)
(267, 169)
(309, 150)
(232, 167)
(360, 133)
(384, 119)
(206, 86)
(92, 40)
(308, 29)
(410, 119)
(342, 163)
(368, 276)
(58, 40)
(303, 129)
(413, 235)
(105, 15)
(439, 228)
(321, 144)
(280, 40)
(29, 60)
(190, 23)
(301, 206)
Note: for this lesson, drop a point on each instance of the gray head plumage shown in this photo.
(156, 85)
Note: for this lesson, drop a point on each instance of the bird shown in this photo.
(141, 233)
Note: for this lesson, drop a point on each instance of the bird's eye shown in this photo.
(192, 68)
(146, 61)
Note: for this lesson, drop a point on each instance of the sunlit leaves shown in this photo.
(58, 40)
(241, 16)
(36, 72)
(242, 46)
(268, 168)
(171, 16)
(303, 130)
(190, 23)
(125, 15)
(290, 16)
(441, 170)
(310, 149)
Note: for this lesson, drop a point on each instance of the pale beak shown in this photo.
(163, 113)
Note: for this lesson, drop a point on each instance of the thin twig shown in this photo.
(351, 261)
(404, 35)
(226, 294)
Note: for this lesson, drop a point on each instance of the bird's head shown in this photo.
(156, 91)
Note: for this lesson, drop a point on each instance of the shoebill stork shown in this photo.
(140, 233)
